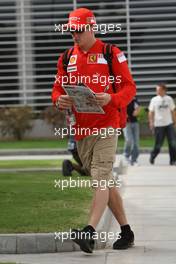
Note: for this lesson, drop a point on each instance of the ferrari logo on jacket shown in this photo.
(92, 58)
(73, 60)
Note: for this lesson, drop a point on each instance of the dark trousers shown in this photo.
(160, 134)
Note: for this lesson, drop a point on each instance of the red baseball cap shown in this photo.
(80, 17)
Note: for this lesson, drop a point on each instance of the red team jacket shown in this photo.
(93, 65)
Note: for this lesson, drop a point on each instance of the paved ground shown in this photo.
(35, 157)
(149, 196)
(25, 154)
(163, 159)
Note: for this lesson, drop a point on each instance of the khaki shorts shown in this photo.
(97, 155)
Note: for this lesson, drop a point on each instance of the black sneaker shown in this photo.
(126, 241)
(83, 239)
(152, 160)
(172, 163)
(67, 168)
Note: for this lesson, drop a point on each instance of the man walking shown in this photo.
(96, 153)
(131, 133)
(162, 118)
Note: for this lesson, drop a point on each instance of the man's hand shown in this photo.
(151, 125)
(174, 117)
(64, 102)
(136, 111)
(151, 119)
(103, 98)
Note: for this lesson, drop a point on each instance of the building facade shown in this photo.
(30, 45)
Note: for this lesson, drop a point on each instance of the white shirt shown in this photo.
(162, 107)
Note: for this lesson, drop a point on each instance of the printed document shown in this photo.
(81, 96)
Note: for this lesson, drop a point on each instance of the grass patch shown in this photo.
(61, 143)
(33, 144)
(21, 164)
(30, 203)
(148, 142)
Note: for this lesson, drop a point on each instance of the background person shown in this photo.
(162, 118)
(131, 133)
(96, 153)
(69, 166)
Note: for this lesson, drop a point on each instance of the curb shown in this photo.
(38, 243)
(21, 152)
(15, 170)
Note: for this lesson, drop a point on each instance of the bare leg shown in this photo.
(100, 200)
(116, 205)
(99, 203)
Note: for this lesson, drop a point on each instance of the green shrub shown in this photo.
(15, 121)
(53, 117)
(143, 115)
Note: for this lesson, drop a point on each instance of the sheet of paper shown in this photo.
(81, 97)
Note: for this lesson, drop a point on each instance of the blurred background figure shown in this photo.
(131, 133)
(162, 118)
(68, 166)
